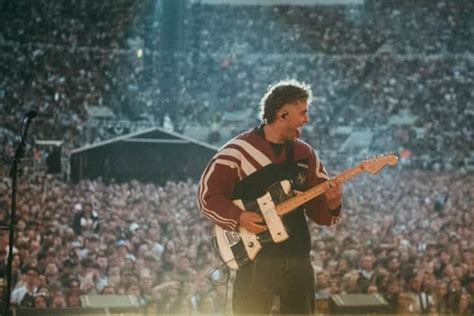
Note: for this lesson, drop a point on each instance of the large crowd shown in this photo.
(403, 27)
(406, 234)
(399, 237)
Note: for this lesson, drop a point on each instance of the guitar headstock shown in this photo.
(374, 165)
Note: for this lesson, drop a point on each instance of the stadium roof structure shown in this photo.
(99, 112)
(152, 155)
(49, 142)
(280, 2)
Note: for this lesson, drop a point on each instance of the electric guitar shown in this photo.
(238, 248)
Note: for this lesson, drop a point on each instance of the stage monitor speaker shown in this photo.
(358, 304)
(109, 301)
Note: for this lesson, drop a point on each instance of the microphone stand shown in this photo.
(19, 154)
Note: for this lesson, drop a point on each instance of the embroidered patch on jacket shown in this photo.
(300, 179)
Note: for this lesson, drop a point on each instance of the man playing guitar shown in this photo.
(245, 169)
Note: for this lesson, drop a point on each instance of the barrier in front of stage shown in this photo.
(91, 305)
(358, 304)
(68, 311)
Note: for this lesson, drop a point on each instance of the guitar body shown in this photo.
(238, 248)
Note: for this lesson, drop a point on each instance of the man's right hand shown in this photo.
(252, 222)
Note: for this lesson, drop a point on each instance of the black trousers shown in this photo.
(257, 283)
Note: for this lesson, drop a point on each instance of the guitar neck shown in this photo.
(300, 199)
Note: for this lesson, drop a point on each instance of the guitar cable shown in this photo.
(216, 269)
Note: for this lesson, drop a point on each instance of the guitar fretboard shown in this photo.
(300, 199)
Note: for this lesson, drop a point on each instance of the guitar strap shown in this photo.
(290, 154)
(291, 167)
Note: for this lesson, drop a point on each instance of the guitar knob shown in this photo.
(250, 244)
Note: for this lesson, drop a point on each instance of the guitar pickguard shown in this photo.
(265, 205)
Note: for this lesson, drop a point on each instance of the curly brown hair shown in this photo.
(280, 93)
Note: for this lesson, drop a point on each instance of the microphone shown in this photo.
(31, 114)
(27, 119)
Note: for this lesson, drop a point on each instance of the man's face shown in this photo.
(441, 288)
(393, 287)
(32, 277)
(394, 264)
(3, 239)
(3, 256)
(296, 116)
(415, 284)
(103, 262)
(51, 269)
(367, 263)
